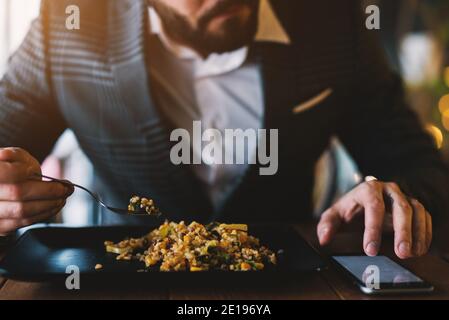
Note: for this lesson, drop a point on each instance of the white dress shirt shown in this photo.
(223, 91)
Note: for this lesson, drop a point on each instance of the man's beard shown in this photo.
(232, 36)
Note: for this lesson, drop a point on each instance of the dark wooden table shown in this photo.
(327, 284)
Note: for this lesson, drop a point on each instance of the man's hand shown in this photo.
(411, 223)
(25, 199)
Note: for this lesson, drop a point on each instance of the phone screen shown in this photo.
(388, 272)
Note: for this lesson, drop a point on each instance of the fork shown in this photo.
(95, 196)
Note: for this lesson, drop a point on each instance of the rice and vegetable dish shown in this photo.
(196, 247)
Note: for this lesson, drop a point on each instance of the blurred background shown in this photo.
(415, 34)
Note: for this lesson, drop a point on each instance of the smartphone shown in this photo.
(380, 275)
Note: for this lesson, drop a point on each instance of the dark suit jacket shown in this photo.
(94, 81)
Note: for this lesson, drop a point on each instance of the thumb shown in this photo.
(328, 226)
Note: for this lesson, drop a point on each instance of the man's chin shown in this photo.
(241, 15)
(229, 37)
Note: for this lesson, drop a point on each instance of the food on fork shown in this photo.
(137, 204)
(196, 247)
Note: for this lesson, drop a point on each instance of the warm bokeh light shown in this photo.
(443, 105)
(437, 134)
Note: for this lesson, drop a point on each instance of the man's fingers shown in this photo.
(419, 228)
(329, 223)
(24, 210)
(402, 221)
(367, 196)
(411, 223)
(10, 225)
(34, 190)
(370, 196)
(17, 165)
(12, 154)
(14, 172)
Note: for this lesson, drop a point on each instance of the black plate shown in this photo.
(43, 254)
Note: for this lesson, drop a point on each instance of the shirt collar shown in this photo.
(269, 30)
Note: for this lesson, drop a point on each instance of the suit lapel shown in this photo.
(273, 75)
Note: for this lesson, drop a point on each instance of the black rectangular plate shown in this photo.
(43, 254)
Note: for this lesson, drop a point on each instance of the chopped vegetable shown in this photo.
(240, 227)
(115, 249)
